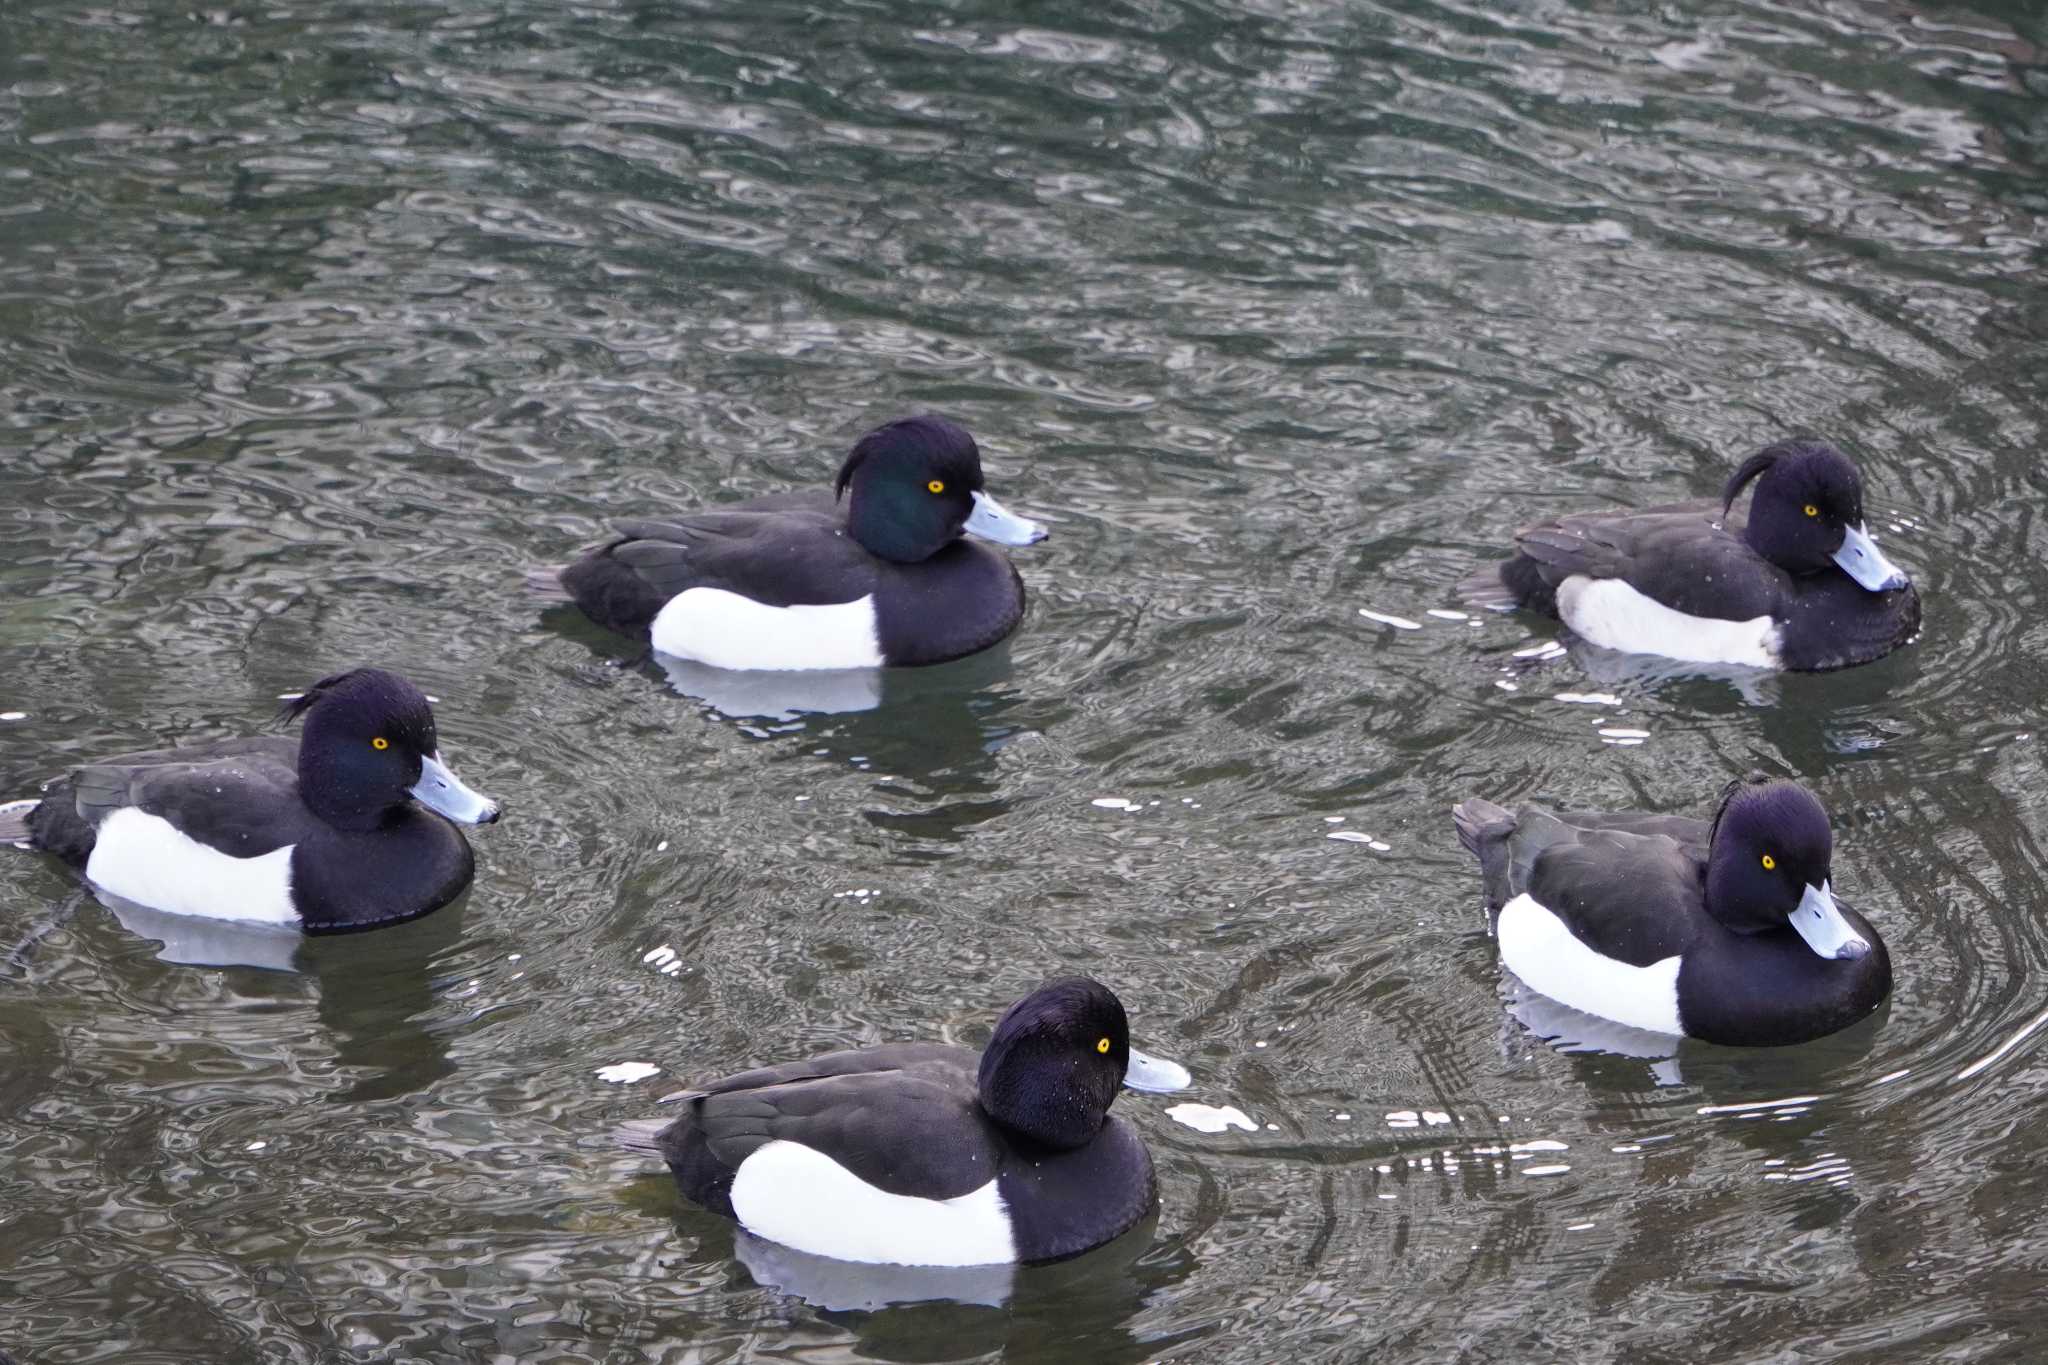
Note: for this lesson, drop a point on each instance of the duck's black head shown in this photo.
(916, 484)
(369, 747)
(1807, 514)
(1769, 860)
(1056, 1062)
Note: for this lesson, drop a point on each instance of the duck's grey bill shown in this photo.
(991, 522)
(1863, 561)
(439, 789)
(1155, 1075)
(1819, 921)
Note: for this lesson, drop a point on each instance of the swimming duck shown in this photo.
(1726, 931)
(327, 832)
(1796, 583)
(924, 1154)
(798, 581)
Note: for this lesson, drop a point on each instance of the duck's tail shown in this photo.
(1484, 829)
(545, 583)
(1480, 823)
(1488, 589)
(14, 817)
(640, 1135)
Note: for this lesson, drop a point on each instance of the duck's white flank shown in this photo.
(146, 859)
(798, 1196)
(726, 630)
(1537, 947)
(1609, 612)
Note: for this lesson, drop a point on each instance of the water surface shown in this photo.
(320, 323)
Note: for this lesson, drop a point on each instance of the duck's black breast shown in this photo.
(412, 865)
(1062, 1203)
(959, 602)
(1770, 989)
(1832, 622)
(903, 1118)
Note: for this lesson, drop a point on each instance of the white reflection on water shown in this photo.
(199, 942)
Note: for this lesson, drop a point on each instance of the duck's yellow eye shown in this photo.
(1102, 1045)
(1811, 510)
(380, 743)
(1770, 863)
(937, 485)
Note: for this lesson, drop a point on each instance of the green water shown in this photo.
(321, 322)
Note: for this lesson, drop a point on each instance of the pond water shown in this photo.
(321, 323)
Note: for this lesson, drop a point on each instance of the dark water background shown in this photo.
(320, 321)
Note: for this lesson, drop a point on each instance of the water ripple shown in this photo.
(318, 326)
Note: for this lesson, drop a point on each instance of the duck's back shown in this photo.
(789, 549)
(859, 1107)
(1682, 556)
(238, 796)
(878, 1155)
(1627, 885)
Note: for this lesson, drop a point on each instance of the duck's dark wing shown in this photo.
(240, 796)
(1683, 830)
(938, 1058)
(1627, 885)
(903, 1119)
(1675, 555)
(783, 551)
(1636, 898)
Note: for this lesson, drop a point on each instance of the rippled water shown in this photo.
(319, 323)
